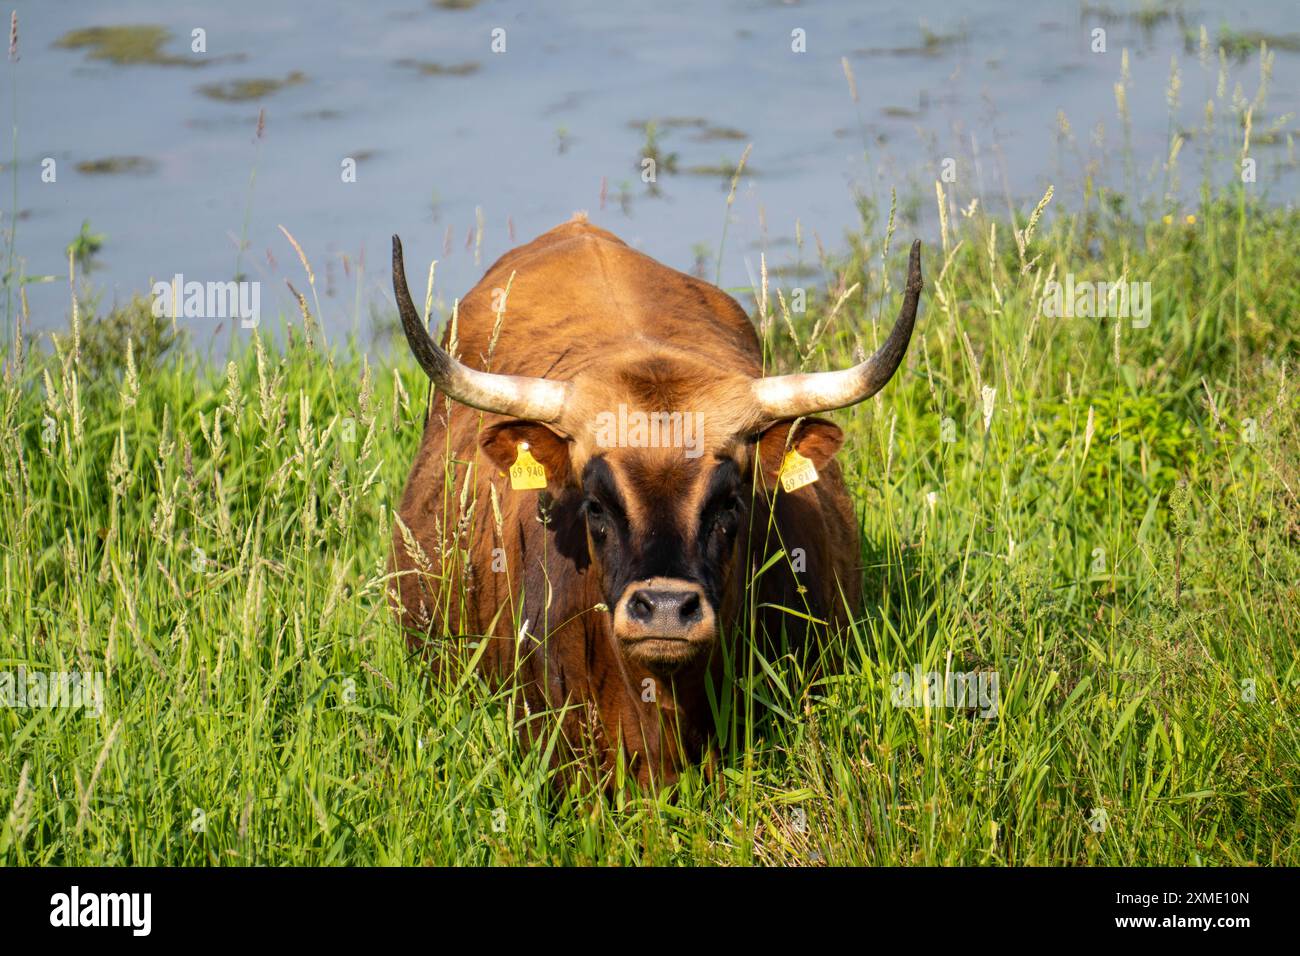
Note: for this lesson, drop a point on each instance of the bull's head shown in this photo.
(666, 521)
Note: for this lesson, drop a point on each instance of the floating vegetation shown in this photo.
(117, 165)
(431, 68)
(932, 43)
(711, 134)
(1240, 44)
(662, 162)
(85, 247)
(126, 45)
(705, 131)
(1149, 16)
(670, 123)
(241, 91)
(879, 137)
(794, 270)
(725, 169)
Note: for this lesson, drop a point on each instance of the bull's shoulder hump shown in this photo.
(565, 240)
(584, 284)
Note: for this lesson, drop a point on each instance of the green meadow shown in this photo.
(1103, 512)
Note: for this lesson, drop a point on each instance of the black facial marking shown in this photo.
(602, 505)
(692, 547)
(722, 500)
(720, 519)
(566, 520)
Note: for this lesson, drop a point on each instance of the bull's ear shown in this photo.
(501, 445)
(817, 440)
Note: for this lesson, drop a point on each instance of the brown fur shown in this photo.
(586, 308)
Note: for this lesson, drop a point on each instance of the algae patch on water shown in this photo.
(1241, 44)
(241, 91)
(111, 165)
(431, 68)
(724, 169)
(125, 45)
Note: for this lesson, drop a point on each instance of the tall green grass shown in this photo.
(1107, 516)
(1120, 544)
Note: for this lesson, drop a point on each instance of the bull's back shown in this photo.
(579, 294)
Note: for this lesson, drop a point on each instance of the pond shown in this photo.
(470, 127)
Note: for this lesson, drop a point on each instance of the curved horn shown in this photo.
(789, 396)
(536, 399)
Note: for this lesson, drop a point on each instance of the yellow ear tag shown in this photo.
(797, 471)
(527, 472)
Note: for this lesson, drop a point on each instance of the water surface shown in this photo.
(465, 151)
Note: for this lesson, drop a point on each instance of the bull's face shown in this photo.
(663, 537)
(667, 528)
(669, 535)
(664, 531)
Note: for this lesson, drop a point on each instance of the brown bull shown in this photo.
(619, 590)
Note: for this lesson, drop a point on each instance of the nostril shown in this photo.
(690, 610)
(640, 607)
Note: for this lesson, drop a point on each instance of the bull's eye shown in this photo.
(596, 517)
(726, 518)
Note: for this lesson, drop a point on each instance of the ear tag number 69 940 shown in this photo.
(796, 471)
(527, 472)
